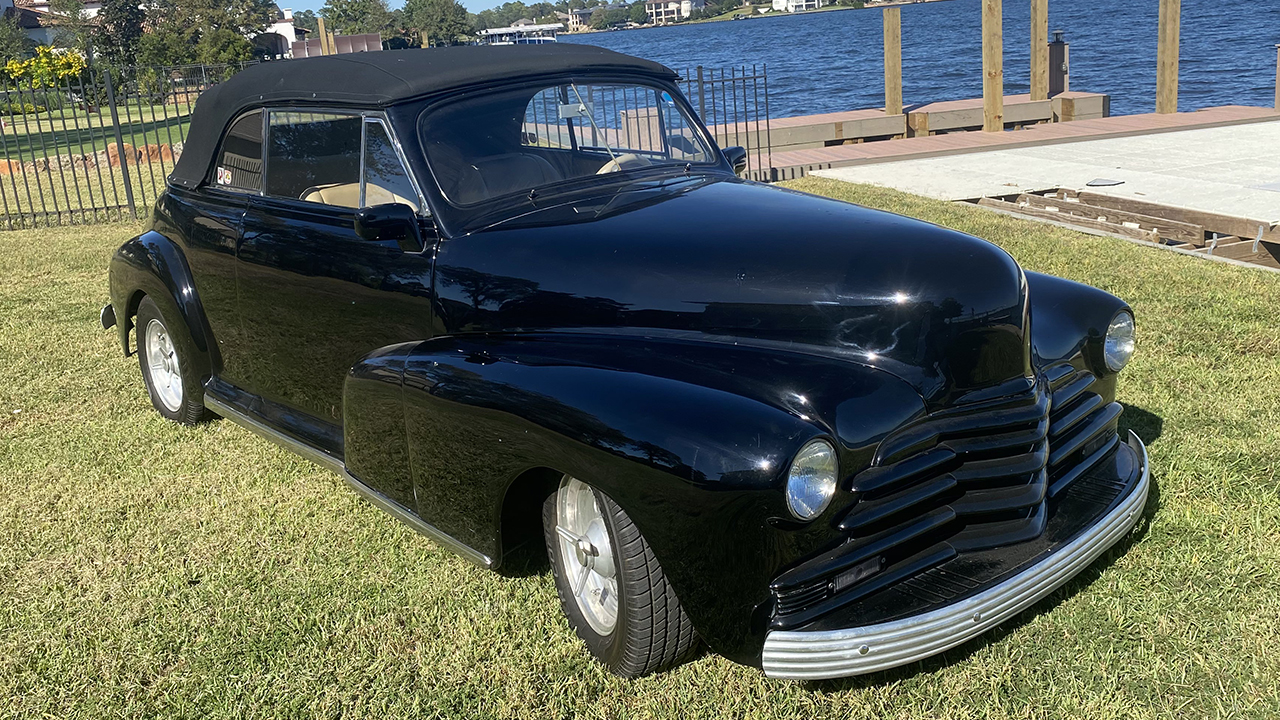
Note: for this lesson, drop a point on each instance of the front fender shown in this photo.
(693, 440)
(1069, 320)
(153, 265)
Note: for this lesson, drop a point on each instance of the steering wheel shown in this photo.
(623, 162)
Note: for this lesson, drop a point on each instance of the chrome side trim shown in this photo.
(257, 427)
(329, 462)
(856, 651)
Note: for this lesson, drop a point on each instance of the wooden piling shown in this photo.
(1167, 56)
(324, 37)
(992, 66)
(1277, 105)
(1039, 49)
(892, 61)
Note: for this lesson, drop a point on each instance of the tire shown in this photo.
(171, 381)
(649, 630)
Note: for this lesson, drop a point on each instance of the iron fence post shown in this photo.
(702, 97)
(124, 163)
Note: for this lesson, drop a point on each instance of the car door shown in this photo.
(314, 297)
(210, 219)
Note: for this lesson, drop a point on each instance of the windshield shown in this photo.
(519, 140)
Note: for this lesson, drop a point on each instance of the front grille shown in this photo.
(966, 479)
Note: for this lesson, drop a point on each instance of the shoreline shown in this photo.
(761, 16)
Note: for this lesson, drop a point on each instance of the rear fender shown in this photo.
(693, 440)
(153, 265)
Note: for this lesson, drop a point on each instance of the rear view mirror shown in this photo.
(392, 221)
(737, 157)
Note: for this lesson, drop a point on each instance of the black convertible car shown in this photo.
(517, 296)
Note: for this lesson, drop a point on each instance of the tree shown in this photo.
(638, 14)
(306, 19)
(439, 22)
(163, 47)
(14, 44)
(193, 18)
(119, 31)
(598, 20)
(223, 46)
(356, 17)
(73, 28)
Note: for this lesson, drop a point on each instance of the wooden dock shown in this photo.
(797, 163)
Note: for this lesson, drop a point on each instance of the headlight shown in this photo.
(812, 480)
(1118, 347)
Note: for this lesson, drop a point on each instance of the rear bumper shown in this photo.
(815, 655)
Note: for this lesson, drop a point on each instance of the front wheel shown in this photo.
(610, 584)
(170, 379)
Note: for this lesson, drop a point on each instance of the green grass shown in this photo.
(151, 570)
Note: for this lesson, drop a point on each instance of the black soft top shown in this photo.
(378, 79)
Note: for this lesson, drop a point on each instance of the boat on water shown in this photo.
(521, 34)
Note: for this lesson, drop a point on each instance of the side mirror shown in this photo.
(392, 221)
(737, 157)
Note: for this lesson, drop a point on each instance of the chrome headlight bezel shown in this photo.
(1120, 341)
(811, 479)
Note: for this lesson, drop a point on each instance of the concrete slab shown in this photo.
(1229, 170)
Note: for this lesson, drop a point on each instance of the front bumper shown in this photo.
(816, 655)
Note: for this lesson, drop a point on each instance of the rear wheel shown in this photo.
(610, 584)
(175, 391)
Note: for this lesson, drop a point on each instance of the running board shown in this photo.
(330, 462)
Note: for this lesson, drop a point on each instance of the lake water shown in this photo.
(833, 61)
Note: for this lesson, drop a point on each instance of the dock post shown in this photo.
(892, 61)
(324, 43)
(1167, 56)
(992, 66)
(1277, 105)
(1039, 49)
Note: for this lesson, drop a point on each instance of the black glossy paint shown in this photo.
(671, 338)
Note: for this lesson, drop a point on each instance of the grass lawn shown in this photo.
(151, 570)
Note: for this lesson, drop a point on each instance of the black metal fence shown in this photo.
(734, 104)
(97, 146)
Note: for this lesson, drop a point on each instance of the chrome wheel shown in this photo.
(162, 366)
(586, 555)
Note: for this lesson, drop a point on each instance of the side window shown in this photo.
(240, 159)
(314, 157)
(385, 179)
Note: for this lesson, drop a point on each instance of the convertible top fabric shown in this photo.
(379, 79)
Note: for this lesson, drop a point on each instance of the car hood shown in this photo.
(724, 260)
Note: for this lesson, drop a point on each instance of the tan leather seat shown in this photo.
(348, 195)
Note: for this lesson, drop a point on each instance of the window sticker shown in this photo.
(224, 176)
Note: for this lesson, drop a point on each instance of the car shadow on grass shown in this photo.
(1148, 427)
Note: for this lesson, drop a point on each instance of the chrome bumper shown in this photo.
(855, 651)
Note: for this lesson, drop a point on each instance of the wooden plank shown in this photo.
(1039, 49)
(1267, 254)
(1084, 222)
(1168, 229)
(892, 17)
(1167, 56)
(992, 66)
(1210, 221)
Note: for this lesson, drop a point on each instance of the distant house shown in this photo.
(662, 12)
(278, 39)
(798, 5)
(580, 19)
(37, 19)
